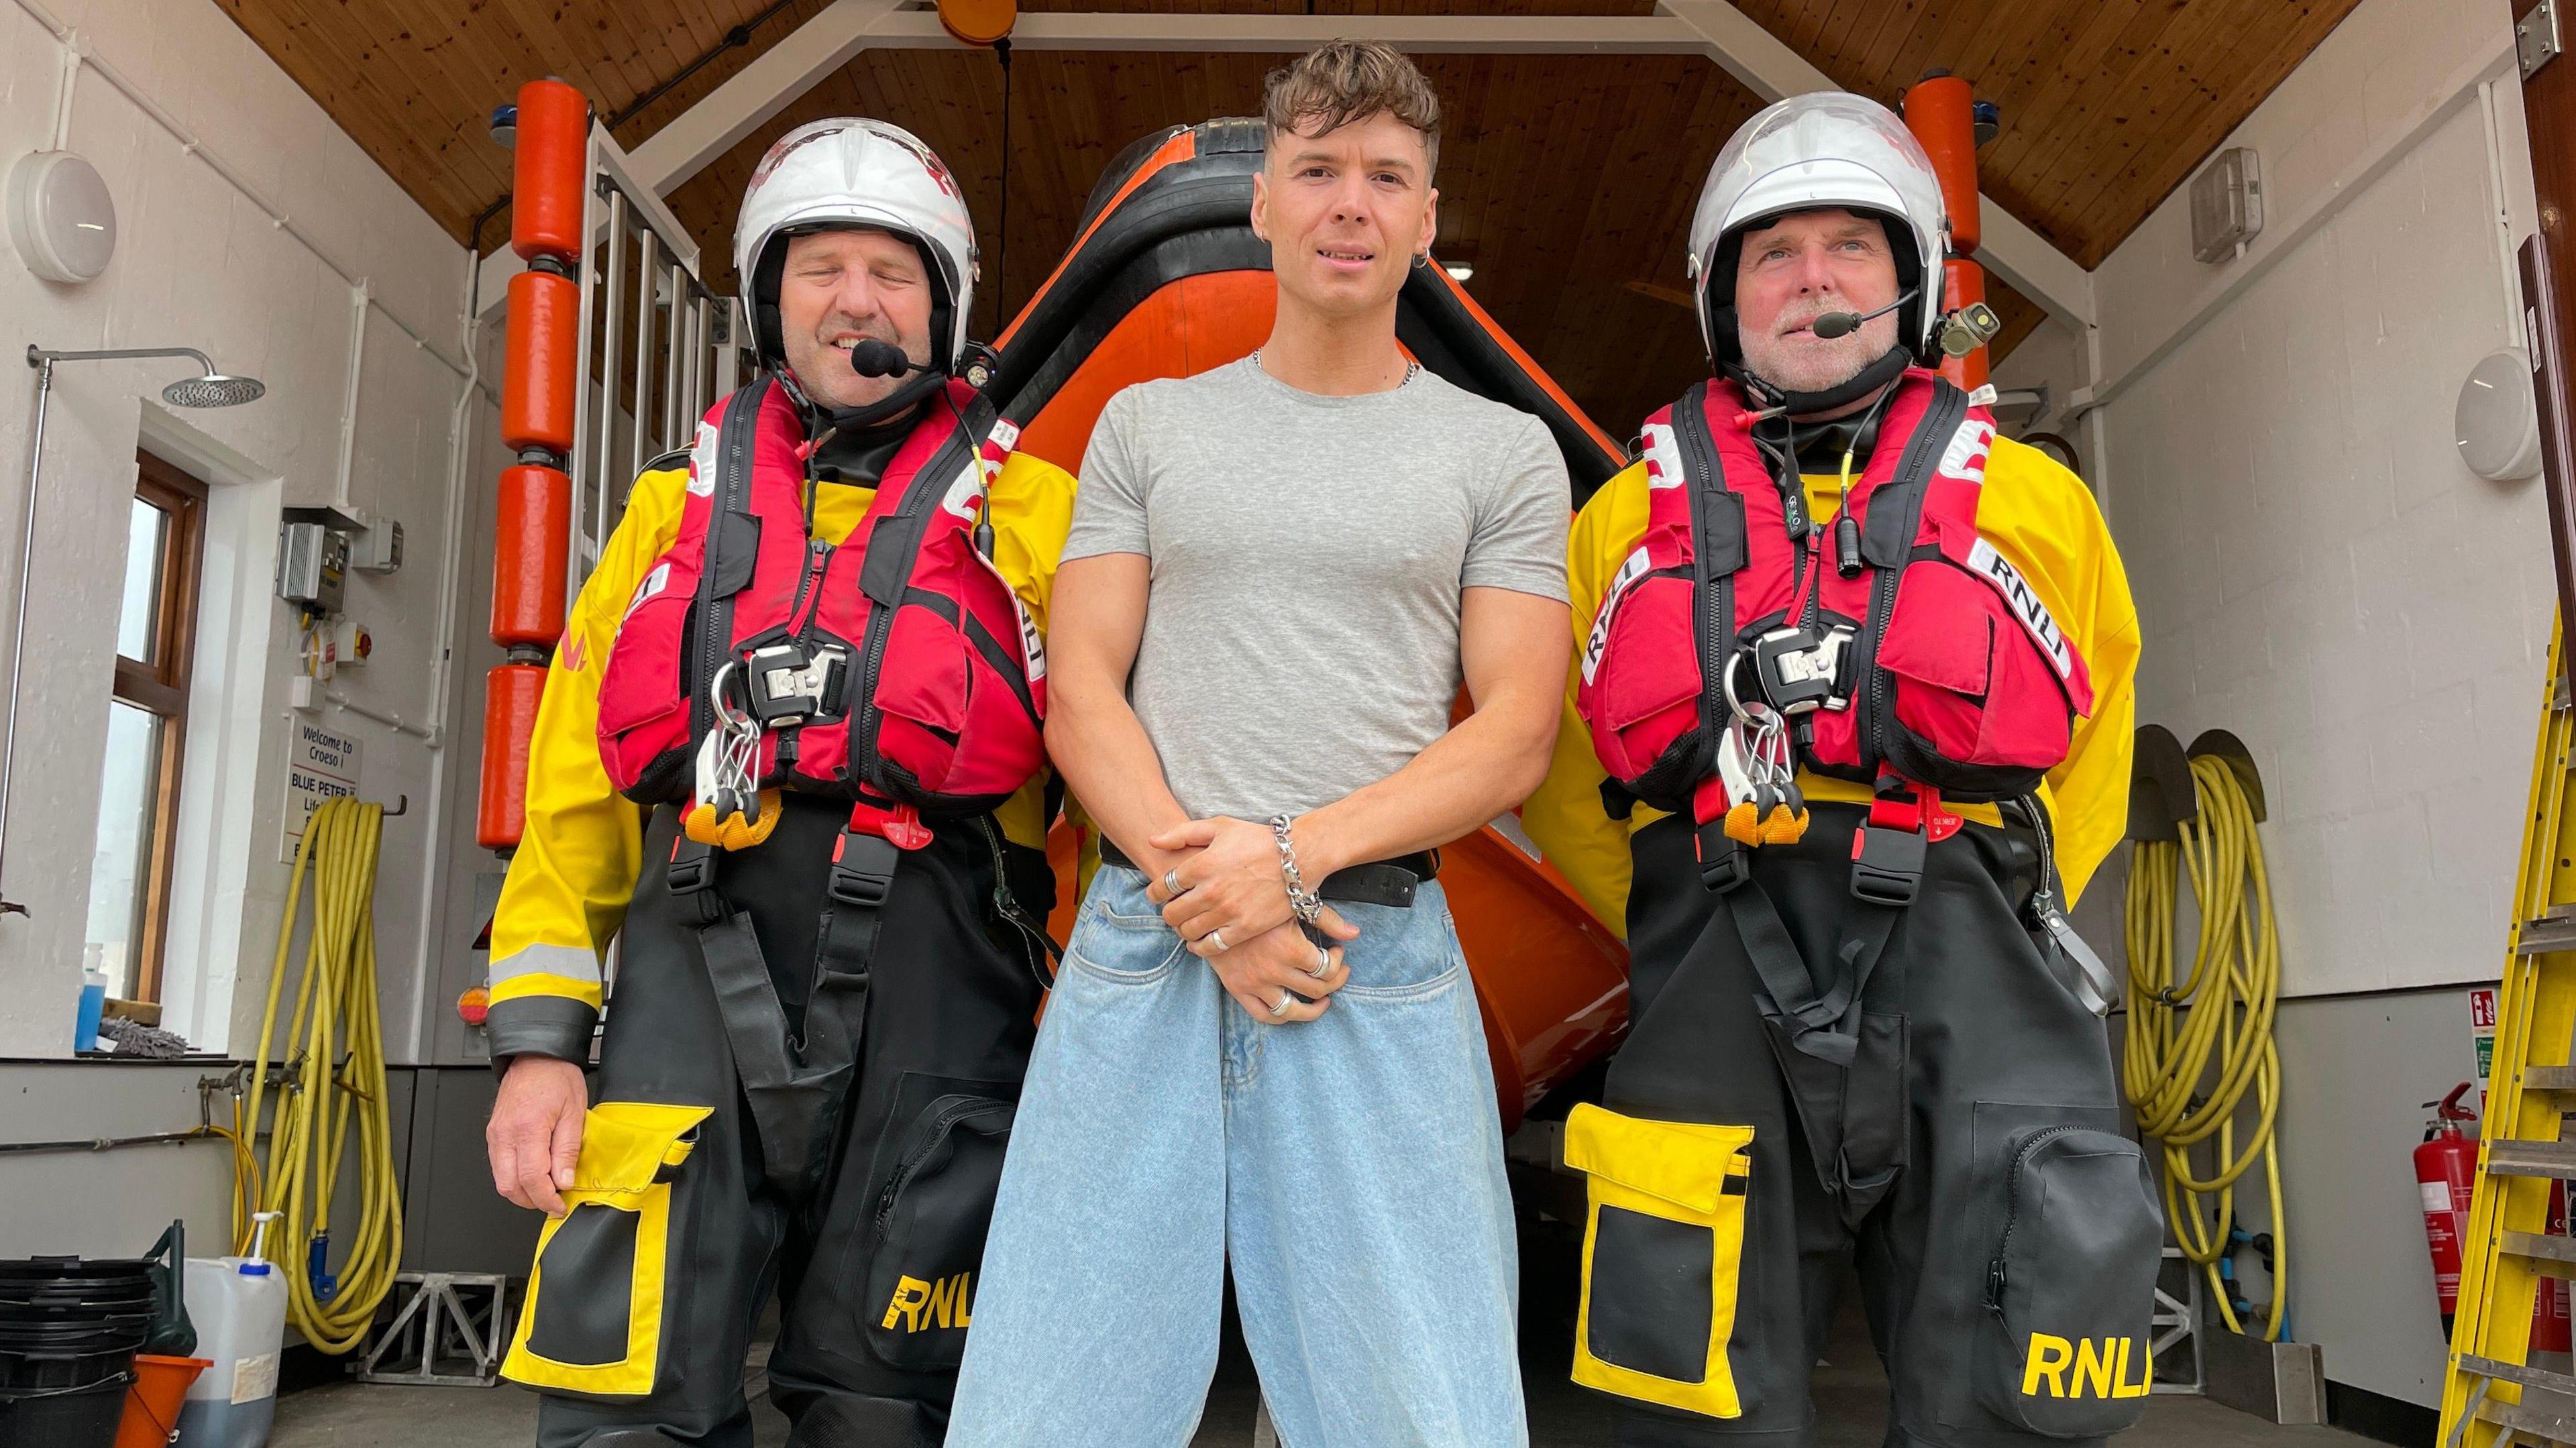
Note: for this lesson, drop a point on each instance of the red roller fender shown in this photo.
(549, 166)
(537, 367)
(534, 536)
(510, 694)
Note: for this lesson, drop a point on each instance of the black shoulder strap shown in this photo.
(885, 571)
(891, 546)
(1894, 512)
(1719, 551)
(732, 550)
(1891, 517)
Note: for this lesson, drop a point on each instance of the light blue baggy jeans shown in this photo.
(1350, 1167)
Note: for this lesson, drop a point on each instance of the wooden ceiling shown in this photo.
(1567, 180)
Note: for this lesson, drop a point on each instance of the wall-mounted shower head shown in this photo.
(211, 389)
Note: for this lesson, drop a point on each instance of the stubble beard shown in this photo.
(823, 370)
(1814, 364)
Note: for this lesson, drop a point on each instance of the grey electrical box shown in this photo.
(377, 548)
(312, 561)
(2226, 204)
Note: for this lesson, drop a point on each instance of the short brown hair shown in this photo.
(1344, 81)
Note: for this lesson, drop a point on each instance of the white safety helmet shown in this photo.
(1811, 152)
(848, 172)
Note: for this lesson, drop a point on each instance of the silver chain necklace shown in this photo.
(1412, 369)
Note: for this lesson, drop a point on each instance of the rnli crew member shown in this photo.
(1848, 730)
(814, 638)
(1279, 574)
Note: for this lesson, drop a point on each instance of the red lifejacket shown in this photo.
(897, 667)
(1928, 657)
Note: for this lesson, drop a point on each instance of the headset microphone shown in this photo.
(872, 358)
(1843, 324)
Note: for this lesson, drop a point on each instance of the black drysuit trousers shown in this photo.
(1973, 1047)
(870, 1253)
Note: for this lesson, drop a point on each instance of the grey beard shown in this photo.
(1828, 384)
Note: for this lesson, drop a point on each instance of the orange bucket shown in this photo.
(152, 1404)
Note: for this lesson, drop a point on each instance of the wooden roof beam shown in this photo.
(760, 90)
(1767, 67)
(917, 27)
(1771, 70)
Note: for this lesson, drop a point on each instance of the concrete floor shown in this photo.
(1850, 1395)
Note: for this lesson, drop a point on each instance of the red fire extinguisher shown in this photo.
(2446, 1173)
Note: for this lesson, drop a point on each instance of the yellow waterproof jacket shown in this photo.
(578, 859)
(2038, 515)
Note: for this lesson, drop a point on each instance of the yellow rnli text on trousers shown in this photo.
(924, 1305)
(2084, 1367)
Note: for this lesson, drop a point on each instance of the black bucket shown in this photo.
(83, 1415)
(69, 1331)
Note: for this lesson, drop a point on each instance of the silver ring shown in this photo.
(1215, 940)
(1323, 963)
(1279, 1007)
(1172, 881)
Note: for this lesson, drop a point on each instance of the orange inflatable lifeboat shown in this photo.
(1166, 279)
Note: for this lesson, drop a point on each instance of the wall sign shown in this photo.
(320, 765)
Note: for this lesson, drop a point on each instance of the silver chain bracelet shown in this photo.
(1305, 902)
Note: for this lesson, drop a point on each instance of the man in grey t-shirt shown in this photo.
(1264, 1048)
(1310, 551)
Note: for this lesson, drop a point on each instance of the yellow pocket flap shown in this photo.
(624, 1144)
(1682, 1162)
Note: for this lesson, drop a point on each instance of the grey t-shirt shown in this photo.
(1301, 633)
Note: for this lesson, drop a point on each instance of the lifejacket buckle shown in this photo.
(865, 856)
(1887, 865)
(692, 880)
(1921, 814)
(1724, 862)
(1800, 671)
(863, 868)
(693, 866)
(1889, 849)
(788, 683)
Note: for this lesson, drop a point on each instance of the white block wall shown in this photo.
(2315, 568)
(199, 264)
(2316, 571)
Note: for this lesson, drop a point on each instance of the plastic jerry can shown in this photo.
(239, 1307)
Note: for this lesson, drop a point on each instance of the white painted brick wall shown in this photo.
(2317, 571)
(199, 265)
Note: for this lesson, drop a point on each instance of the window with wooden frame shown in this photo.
(147, 729)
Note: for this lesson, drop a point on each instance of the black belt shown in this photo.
(1386, 882)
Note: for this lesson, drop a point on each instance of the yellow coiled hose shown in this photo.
(335, 1073)
(2213, 1026)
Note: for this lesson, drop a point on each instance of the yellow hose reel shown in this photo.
(2198, 1042)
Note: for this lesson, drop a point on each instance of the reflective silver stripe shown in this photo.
(569, 961)
(1965, 457)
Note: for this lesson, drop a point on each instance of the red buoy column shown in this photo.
(548, 183)
(1941, 112)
